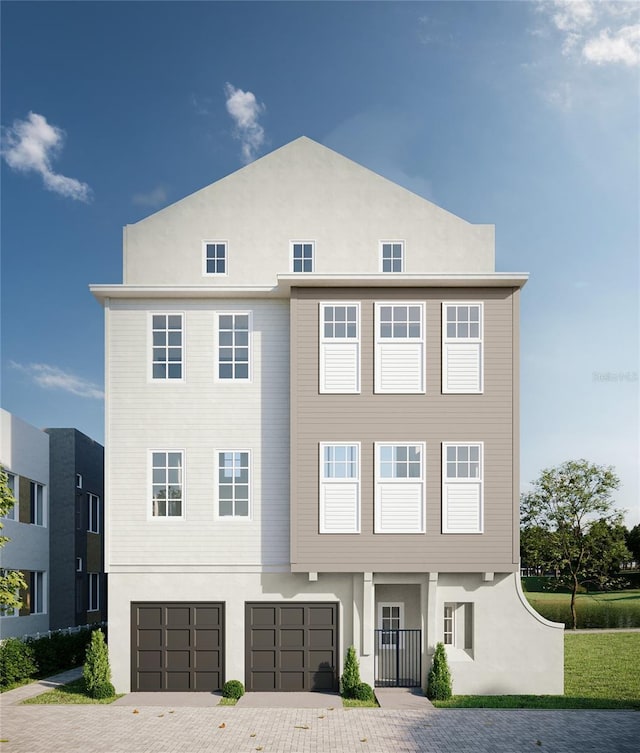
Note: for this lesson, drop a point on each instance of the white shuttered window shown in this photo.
(400, 354)
(339, 347)
(462, 348)
(462, 488)
(340, 488)
(399, 495)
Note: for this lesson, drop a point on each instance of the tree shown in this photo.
(11, 581)
(633, 542)
(585, 540)
(96, 670)
(439, 679)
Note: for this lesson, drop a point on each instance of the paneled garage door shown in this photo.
(291, 646)
(177, 646)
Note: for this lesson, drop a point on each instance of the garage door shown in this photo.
(177, 646)
(291, 646)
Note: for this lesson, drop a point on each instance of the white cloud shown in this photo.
(622, 46)
(51, 377)
(595, 31)
(244, 109)
(154, 198)
(31, 145)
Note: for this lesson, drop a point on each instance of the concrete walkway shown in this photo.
(170, 700)
(289, 701)
(403, 698)
(13, 697)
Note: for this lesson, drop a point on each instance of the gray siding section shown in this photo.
(433, 418)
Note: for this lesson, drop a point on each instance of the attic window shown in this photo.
(302, 256)
(215, 257)
(392, 256)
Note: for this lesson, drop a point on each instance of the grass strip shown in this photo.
(73, 692)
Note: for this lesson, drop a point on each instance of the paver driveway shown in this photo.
(117, 729)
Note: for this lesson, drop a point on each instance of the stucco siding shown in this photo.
(433, 418)
(199, 416)
(302, 191)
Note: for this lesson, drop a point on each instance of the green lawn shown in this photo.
(600, 672)
(617, 609)
(72, 692)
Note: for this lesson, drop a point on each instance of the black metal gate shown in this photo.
(398, 658)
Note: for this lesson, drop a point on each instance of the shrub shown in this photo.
(233, 689)
(106, 690)
(351, 675)
(59, 651)
(16, 662)
(362, 692)
(439, 680)
(96, 672)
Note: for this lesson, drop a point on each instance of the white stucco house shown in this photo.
(312, 440)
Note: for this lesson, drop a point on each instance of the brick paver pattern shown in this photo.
(111, 729)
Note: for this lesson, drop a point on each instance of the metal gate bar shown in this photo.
(398, 658)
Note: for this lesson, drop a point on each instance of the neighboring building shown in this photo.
(24, 454)
(76, 550)
(312, 384)
(56, 527)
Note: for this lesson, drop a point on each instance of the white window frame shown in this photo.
(379, 341)
(390, 605)
(233, 518)
(78, 481)
(449, 624)
(323, 340)
(166, 518)
(292, 260)
(460, 627)
(205, 259)
(150, 330)
(384, 243)
(446, 340)
(14, 484)
(217, 346)
(462, 480)
(78, 564)
(94, 590)
(393, 480)
(333, 480)
(93, 521)
(43, 507)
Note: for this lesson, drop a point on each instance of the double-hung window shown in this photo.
(215, 257)
(233, 484)
(234, 332)
(400, 492)
(302, 256)
(37, 504)
(167, 484)
(167, 346)
(340, 488)
(93, 604)
(462, 492)
(93, 525)
(400, 351)
(462, 351)
(339, 347)
(392, 256)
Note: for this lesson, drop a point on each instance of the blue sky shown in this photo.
(520, 114)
